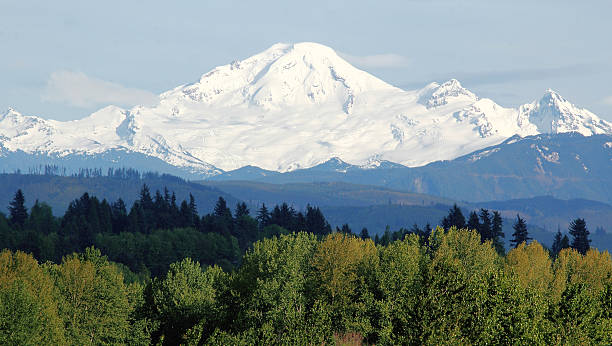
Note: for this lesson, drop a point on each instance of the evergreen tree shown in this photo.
(520, 234)
(146, 202)
(221, 208)
(315, 221)
(485, 225)
(300, 222)
(364, 234)
(580, 234)
(497, 233)
(454, 218)
(473, 222)
(263, 217)
(346, 229)
(195, 217)
(560, 242)
(119, 216)
(223, 219)
(186, 217)
(18, 211)
(241, 210)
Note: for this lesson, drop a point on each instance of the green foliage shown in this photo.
(93, 299)
(186, 302)
(273, 288)
(28, 310)
(401, 283)
(417, 286)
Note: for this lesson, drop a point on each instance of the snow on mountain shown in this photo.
(296, 106)
(554, 114)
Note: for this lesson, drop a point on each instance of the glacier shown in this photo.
(295, 106)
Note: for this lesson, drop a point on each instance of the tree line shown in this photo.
(156, 231)
(306, 289)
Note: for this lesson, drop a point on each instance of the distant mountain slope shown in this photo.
(59, 191)
(323, 194)
(566, 165)
(290, 107)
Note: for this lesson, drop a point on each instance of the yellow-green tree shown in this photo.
(93, 299)
(529, 270)
(582, 292)
(456, 308)
(28, 310)
(345, 275)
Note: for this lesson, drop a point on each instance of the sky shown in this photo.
(65, 59)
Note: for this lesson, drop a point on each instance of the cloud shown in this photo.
(608, 100)
(79, 90)
(377, 60)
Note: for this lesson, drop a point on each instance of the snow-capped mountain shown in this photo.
(296, 106)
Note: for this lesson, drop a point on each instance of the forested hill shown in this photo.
(58, 191)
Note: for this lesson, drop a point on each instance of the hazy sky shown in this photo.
(65, 59)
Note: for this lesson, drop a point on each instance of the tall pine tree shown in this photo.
(454, 218)
(485, 225)
(473, 222)
(580, 234)
(17, 210)
(497, 233)
(263, 217)
(520, 234)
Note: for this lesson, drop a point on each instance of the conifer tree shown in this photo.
(17, 210)
(497, 233)
(263, 217)
(119, 216)
(364, 234)
(346, 229)
(520, 234)
(560, 242)
(485, 225)
(192, 205)
(241, 210)
(580, 234)
(473, 222)
(454, 218)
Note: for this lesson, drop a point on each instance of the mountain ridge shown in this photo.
(295, 106)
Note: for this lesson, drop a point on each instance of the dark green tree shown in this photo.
(315, 221)
(195, 217)
(346, 229)
(364, 234)
(520, 234)
(473, 222)
(454, 218)
(485, 225)
(263, 217)
(580, 234)
(241, 210)
(560, 242)
(18, 214)
(119, 216)
(497, 233)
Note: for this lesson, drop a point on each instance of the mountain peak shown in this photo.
(554, 114)
(284, 75)
(436, 95)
